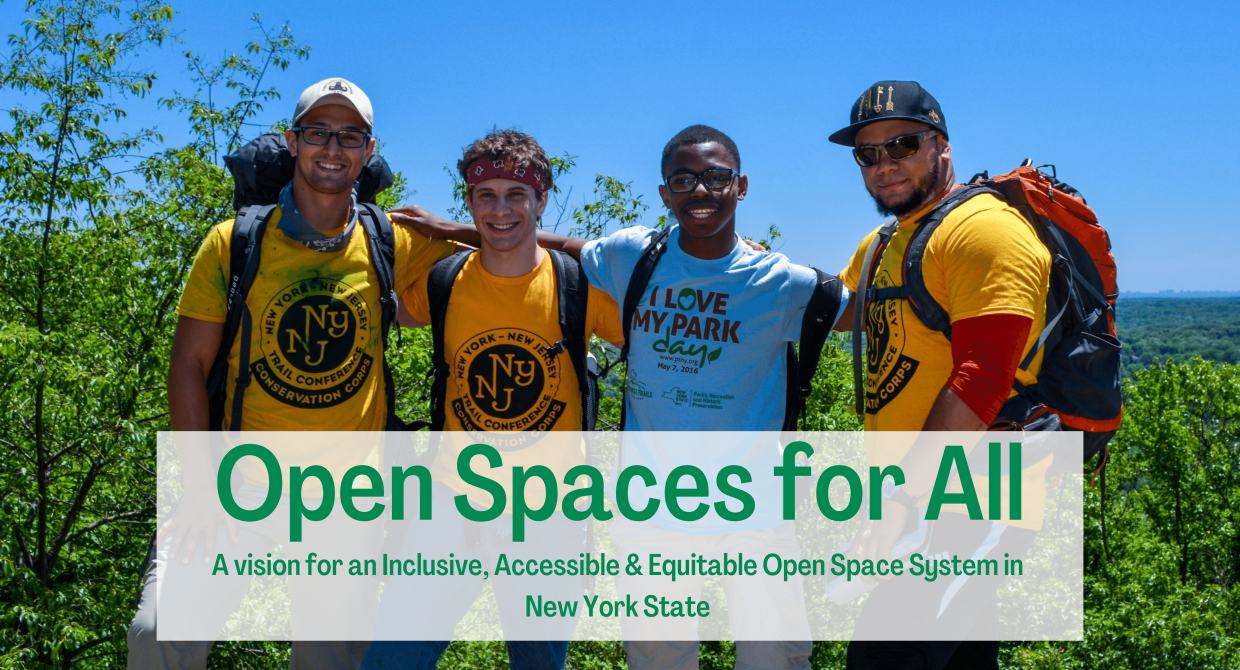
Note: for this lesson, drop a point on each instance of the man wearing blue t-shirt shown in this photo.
(707, 352)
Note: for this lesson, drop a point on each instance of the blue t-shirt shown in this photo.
(708, 353)
(709, 339)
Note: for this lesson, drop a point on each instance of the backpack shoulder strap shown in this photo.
(382, 242)
(438, 292)
(924, 305)
(633, 293)
(382, 248)
(245, 253)
(820, 313)
(868, 266)
(572, 295)
(638, 281)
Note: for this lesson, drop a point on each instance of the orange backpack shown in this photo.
(1079, 382)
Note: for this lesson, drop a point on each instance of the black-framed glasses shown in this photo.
(897, 149)
(348, 139)
(715, 179)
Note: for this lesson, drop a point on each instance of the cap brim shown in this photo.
(848, 136)
(333, 99)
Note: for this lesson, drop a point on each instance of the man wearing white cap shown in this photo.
(311, 242)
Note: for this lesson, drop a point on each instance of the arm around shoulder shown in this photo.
(569, 245)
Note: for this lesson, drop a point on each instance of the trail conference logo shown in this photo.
(506, 381)
(889, 369)
(314, 339)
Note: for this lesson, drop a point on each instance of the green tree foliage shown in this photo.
(96, 237)
(92, 270)
(1155, 331)
(80, 358)
(1170, 595)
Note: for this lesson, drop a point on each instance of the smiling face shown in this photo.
(506, 213)
(902, 187)
(703, 213)
(329, 168)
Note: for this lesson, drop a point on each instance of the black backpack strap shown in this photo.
(924, 305)
(868, 267)
(633, 294)
(572, 296)
(438, 291)
(245, 253)
(382, 242)
(816, 325)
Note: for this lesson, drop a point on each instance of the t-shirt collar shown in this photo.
(673, 241)
(295, 227)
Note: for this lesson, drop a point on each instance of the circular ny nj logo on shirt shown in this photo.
(313, 336)
(889, 370)
(506, 381)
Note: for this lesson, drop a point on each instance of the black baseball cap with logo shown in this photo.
(891, 100)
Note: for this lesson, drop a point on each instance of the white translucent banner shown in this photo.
(620, 536)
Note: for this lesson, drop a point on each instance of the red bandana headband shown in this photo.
(495, 168)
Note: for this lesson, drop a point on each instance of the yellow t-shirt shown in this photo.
(316, 347)
(983, 259)
(496, 332)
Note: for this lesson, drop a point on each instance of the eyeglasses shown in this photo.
(348, 139)
(897, 149)
(715, 179)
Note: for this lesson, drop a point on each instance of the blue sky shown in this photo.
(1132, 101)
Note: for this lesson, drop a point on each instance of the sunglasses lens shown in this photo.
(866, 156)
(716, 179)
(903, 147)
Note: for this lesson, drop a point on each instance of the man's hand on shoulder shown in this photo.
(755, 246)
(434, 227)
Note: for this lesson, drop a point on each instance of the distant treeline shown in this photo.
(1158, 330)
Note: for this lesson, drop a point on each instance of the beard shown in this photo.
(922, 191)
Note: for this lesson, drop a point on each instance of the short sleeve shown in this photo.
(415, 255)
(989, 263)
(851, 276)
(608, 262)
(205, 297)
(801, 282)
(415, 299)
(603, 315)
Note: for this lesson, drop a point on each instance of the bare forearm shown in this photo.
(920, 465)
(569, 245)
(949, 412)
(460, 232)
(194, 347)
(188, 405)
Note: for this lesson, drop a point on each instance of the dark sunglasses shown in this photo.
(897, 149)
(715, 179)
(348, 139)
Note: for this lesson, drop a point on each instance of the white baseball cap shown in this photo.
(335, 91)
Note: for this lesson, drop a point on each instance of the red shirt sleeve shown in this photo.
(985, 353)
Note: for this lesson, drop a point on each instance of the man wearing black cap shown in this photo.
(986, 267)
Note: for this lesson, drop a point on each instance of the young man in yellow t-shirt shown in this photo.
(986, 267)
(316, 351)
(505, 376)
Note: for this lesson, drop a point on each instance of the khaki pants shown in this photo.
(218, 603)
(752, 604)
